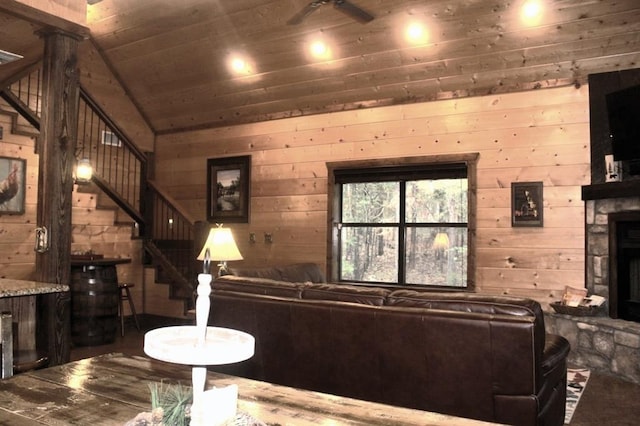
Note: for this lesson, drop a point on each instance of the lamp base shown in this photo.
(223, 269)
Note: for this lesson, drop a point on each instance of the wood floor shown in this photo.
(607, 401)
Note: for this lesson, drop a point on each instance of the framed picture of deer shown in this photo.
(228, 185)
(12, 185)
(526, 204)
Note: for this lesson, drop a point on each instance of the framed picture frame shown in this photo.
(228, 189)
(12, 185)
(527, 204)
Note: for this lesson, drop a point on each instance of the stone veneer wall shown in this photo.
(597, 234)
(609, 346)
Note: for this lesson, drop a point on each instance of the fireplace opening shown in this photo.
(624, 265)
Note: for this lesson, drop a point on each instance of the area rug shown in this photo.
(576, 383)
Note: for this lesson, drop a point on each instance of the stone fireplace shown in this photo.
(607, 342)
(624, 265)
(612, 230)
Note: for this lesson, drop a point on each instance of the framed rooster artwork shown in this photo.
(12, 185)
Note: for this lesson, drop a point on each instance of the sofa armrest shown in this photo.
(556, 350)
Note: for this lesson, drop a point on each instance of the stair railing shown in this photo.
(171, 242)
(24, 94)
(119, 167)
(120, 171)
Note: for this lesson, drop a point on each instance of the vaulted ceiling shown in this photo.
(172, 56)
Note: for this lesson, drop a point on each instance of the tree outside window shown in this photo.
(403, 226)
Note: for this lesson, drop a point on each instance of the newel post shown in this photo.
(56, 149)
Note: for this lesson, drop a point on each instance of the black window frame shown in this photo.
(400, 170)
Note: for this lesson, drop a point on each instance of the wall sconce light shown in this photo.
(84, 171)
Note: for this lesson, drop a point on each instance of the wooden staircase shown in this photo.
(19, 126)
(98, 226)
(152, 219)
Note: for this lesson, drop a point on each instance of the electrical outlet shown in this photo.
(252, 237)
(268, 238)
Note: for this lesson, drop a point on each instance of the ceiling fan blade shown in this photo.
(353, 11)
(306, 11)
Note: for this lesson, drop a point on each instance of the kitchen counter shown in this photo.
(11, 288)
(40, 315)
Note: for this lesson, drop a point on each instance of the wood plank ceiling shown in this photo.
(172, 55)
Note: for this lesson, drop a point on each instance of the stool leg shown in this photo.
(121, 312)
(133, 308)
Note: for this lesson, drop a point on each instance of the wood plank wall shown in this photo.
(17, 232)
(540, 135)
(104, 87)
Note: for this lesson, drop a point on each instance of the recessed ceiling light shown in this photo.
(320, 48)
(239, 64)
(416, 33)
(531, 12)
(6, 57)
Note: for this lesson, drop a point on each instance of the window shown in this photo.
(110, 139)
(402, 224)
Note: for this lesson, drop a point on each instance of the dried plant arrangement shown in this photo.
(170, 405)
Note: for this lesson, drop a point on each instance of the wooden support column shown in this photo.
(57, 144)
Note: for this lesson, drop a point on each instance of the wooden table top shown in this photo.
(112, 389)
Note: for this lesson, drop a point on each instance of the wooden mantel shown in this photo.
(600, 191)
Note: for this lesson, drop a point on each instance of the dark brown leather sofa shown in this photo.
(468, 355)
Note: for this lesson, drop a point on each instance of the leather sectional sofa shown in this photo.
(468, 355)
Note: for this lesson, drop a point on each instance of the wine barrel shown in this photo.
(94, 304)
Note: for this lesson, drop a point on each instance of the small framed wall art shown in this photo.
(228, 186)
(526, 204)
(12, 185)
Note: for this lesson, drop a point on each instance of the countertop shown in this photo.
(99, 261)
(11, 288)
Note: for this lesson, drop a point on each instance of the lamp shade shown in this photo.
(221, 245)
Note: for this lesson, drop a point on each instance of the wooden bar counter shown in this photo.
(112, 389)
(40, 316)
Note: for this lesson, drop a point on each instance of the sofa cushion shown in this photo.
(269, 273)
(296, 273)
(254, 285)
(346, 293)
(301, 273)
(464, 302)
(470, 302)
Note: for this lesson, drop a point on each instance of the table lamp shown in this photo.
(221, 247)
(202, 345)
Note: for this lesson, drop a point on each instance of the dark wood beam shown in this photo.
(60, 94)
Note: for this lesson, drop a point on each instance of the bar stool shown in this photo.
(125, 294)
